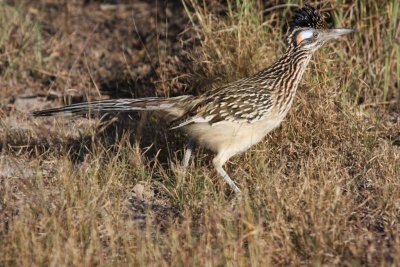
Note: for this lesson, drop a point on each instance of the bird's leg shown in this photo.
(188, 153)
(218, 166)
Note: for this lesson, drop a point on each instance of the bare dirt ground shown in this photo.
(323, 189)
(88, 51)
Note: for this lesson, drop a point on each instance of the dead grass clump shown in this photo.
(321, 190)
(20, 45)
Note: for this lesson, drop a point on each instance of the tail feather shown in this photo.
(114, 105)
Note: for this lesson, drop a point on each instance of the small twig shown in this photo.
(380, 103)
(112, 7)
(279, 6)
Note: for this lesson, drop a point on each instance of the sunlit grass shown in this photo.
(320, 190)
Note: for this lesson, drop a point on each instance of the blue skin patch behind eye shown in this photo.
(304, 35)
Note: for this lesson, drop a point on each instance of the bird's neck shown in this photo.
(297, 64)
(291, 68)
(293, 63)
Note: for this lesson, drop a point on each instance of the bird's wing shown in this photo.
(237, 102)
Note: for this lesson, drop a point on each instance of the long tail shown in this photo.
(114, 105)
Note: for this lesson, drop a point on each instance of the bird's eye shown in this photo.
(315, 34)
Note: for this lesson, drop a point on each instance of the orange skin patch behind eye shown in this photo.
(299, 38)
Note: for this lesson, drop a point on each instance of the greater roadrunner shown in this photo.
(232, 118)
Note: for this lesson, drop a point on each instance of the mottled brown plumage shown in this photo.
(238, 115)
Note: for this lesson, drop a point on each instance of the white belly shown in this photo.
(231, 137)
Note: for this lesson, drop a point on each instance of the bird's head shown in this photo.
(308, 30)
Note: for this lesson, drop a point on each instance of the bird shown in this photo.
(232, 118)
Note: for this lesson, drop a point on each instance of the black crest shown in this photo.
(309, 17)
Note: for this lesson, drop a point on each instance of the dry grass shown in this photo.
(323, 189)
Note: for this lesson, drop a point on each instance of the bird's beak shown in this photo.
(335, 33)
